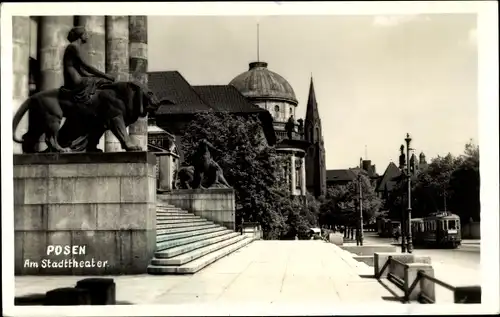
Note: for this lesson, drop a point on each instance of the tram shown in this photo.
(385, 227)
(441, 229)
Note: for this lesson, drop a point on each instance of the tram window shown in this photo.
(452, 224)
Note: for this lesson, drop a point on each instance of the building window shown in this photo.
(291, 111)
(277, 111)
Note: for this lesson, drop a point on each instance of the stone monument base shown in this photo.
(84, 213)
(213, 204)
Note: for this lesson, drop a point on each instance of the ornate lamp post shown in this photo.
(404, 165)
(360, 204)
(402, 162)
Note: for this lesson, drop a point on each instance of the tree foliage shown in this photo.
(252, 168)
(449, 183)
(341, 202)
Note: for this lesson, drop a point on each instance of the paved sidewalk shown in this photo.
(309, 272)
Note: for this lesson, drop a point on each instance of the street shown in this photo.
(458, 267)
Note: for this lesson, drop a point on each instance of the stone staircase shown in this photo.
(186, 243)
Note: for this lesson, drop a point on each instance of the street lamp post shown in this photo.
(402, 162)
(360, 204)
(408, 175)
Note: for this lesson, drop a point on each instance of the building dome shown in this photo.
(261, 83)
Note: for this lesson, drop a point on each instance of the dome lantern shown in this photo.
(259, 83)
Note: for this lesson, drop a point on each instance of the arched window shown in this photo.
(291, 111)
(277, 110)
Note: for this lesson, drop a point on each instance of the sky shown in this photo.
(376, 78)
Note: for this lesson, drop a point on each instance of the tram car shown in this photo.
(440, 229)
(417, 231)
(385, 227)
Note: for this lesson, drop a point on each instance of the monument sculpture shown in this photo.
(202, 189)
(90, 101)
(204, 173)
(301, 126)
(290, 127)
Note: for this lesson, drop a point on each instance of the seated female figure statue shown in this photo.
(80, 79)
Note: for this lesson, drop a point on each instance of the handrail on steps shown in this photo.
(467, 294)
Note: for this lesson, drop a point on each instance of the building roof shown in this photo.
(390, 178)
(225, 98)
(176, 95)
(261, 83)
(340, 175)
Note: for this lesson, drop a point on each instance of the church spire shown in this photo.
(312, 106)
(315, 161)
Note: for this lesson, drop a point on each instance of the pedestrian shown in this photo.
(397, 233)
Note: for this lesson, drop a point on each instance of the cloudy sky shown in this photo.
(376, 77)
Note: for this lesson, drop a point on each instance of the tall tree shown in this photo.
(341, 202)
(465, 185)
(449, 183)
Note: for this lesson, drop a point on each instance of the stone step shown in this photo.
(172, 252)
(160, 246)
(198, 264)
(170, 226)
(164, 204)
(186, 234)
(168, 210)
(179, 219)
(175, 214)
(162, 232)
(166, 221)
(194, 254)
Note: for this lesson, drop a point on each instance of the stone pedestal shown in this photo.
(92, 210)
(214, 204)
(67, 296)
(166, 164)
(102, 291)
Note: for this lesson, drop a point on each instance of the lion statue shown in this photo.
(204, 173)
(113, 106)
(184, 176)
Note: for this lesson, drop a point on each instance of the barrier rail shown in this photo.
(462, 294)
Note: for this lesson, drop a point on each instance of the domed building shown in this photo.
(272, 92)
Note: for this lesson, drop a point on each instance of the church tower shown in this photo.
(315, 160)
